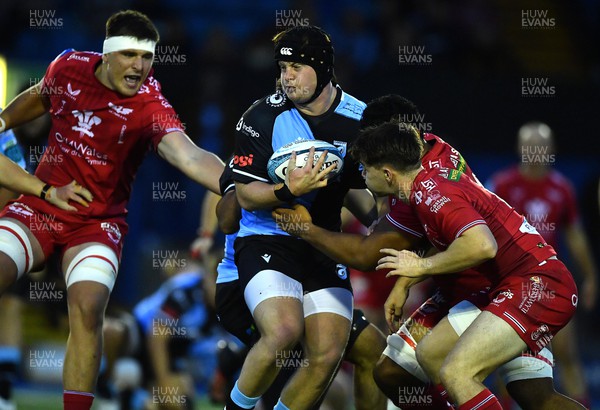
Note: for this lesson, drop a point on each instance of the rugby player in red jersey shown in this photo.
(547, 199)
(398, 374)
(107, 112)
(471, 228)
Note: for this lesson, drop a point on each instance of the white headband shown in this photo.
(118, 43)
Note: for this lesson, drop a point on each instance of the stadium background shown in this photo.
(472, 67)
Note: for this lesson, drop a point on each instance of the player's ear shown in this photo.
(388, 175)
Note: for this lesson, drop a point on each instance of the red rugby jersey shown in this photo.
(98, 136)
(448, 202)
(403, 216)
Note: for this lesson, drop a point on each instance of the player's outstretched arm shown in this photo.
(357, 251)
(18, 180)
(473, 247)
(15, 178)
(200, 165)
(25, 107)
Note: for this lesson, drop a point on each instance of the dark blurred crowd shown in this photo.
(217, 55)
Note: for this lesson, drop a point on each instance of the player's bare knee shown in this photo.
(89, 316)
(329, 335)
(364, 358)
(87, 308)
(388, 371)
(384, 374)
(367, 348)
(325, 358)
(334, 349)
(330, 358)
(425, 356)
(453, 370)
(285, 336)
(447, 375)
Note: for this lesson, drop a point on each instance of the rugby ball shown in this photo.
(278, 163)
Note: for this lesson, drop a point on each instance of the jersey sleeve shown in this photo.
(161, 118)
(49, 82)
(253, 146)
(226, 182)
(452, 212)
(403, 217)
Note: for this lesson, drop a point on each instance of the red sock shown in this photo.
(483, 401)
(441, 394)
(77, 400)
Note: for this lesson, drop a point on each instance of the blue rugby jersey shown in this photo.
(272, 122)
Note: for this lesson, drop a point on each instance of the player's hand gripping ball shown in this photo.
(278, 163)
